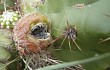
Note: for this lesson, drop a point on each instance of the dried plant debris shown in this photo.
(42, 59)
(32, 33)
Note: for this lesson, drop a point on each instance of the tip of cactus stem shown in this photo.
(4, 20)
(7, 23)
(15, 14)
(8, 19)
(15, 18)
(8, 27)
(13, 23)
(2, 23)
(11, 20)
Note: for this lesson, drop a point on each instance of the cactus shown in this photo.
(92, 25)
(79, 29)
